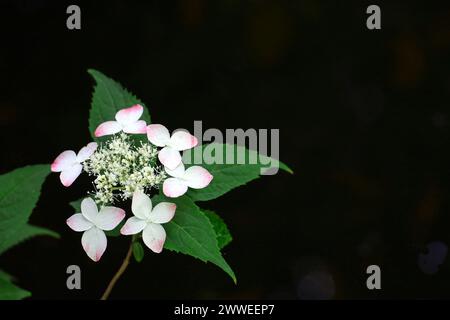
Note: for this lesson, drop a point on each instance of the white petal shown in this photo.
(158, 135)
(154, 237)
(86, 152)
(109, 217)
(174, 187)
(182, 140)
(89, 209)
(163, 212)
(197, 177)
(94, 243)
(129, 115)
(169, 157)
(136, 127)
(178, 172)
(69, 175)
(78, 223)
(133, 225)
(64, 161)
(107, 128)
(141, 205)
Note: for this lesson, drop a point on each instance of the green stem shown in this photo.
(119, 272)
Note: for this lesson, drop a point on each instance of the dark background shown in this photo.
(363, 117)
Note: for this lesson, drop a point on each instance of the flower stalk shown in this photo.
(119, 273)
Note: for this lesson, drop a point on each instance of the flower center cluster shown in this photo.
(121, 167)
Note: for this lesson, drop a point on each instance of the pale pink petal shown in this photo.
(174, 187)
(94, 243)
(197, 177)
(129, 115)
(182, 140)
(154, 237)
(89, 209)
(86, 152)
(78, 223)
(178, 172)
(69, 175)
(109, 217)
(158, 135)
(169, 157)
(141, 205)
(107, 128)
(136, 127)
(163, 212)
(132, 226)
(65, 160)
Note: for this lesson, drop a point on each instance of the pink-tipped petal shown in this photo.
(182, 140)
(107, 128)
(174, 187)
(109, 217)
(141, 205)
(178, 172)
(197, 177)
(154, 237)
(86, 152)
(89, 209)
(129, 115)
(69, 175)
(169, 157)
(132, 226)
(64, 161)
(138, 127)
(163, 212)
(158, 135)
(94, 243)
(78, 223)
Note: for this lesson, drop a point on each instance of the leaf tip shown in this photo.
(91, 71)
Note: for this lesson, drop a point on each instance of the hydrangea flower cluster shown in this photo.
(120, 166)
(123, 169)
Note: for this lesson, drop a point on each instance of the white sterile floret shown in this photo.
(127, 120)
(93, 223)
(70, 164)
(120, 168)
(171, 145)
(149, 220)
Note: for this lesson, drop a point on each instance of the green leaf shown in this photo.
(6, 276)
(76, 205)
(190, 232)
(228, 176)
(108, 98)
(220, 228)
(19, 193)
(138, 251)
(23, 233)
(9, 291)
